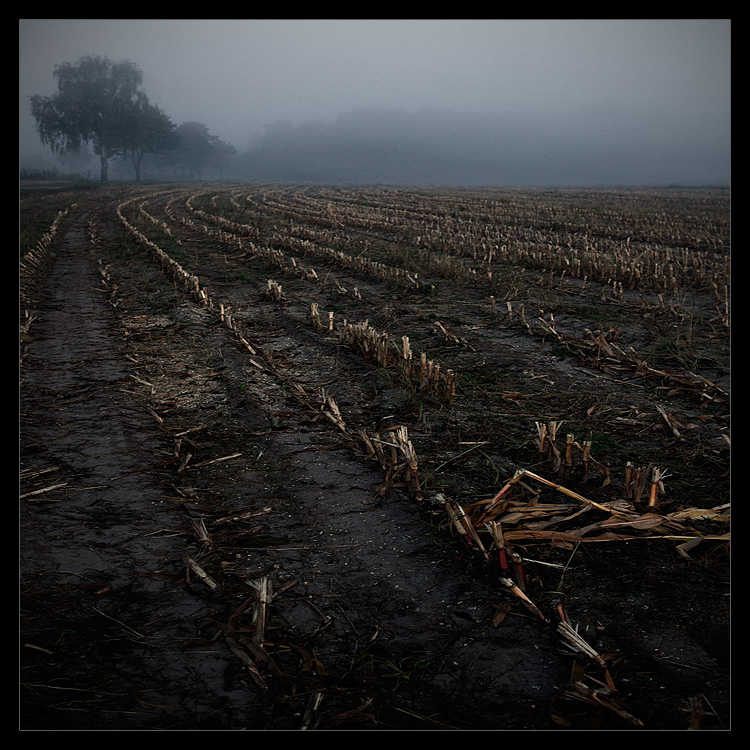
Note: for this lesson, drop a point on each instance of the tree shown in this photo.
(147, 130)
(98, 102)
(199, 150)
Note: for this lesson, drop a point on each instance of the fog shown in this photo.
(483, 102)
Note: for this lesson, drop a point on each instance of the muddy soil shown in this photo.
(206, 545)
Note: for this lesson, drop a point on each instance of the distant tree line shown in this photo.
(100, 109)
(39, 174)
(100, 106)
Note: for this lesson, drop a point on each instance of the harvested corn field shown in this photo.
(347, 458)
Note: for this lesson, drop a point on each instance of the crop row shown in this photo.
(494, 528)
(606, 354)
(650, 250)
(29, 267)
(598, 349)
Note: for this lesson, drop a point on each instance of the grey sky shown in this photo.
(236, 76)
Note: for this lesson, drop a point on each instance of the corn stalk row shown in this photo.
(497, 528)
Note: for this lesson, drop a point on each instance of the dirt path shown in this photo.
(104, 554)
(163, 450)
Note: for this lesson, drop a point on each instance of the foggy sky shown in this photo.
(637, 101)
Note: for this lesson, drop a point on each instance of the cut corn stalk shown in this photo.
(602, 697)
(247, 663)
(331, 410)
(496, 532)
(671, 422)
(579, 644)
(201, 532)
(518, 567)
(463, 525)
(657, 486)
(516, 591)
(263, 590)
(492, 507)
(198, 570)
(542, 436)
(640, 478)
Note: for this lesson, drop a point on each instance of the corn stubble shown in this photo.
(500, 528)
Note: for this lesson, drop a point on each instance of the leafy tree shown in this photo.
(199, 150)
(98, 102)
(147, 130)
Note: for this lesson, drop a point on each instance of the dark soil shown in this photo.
(156, 444)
